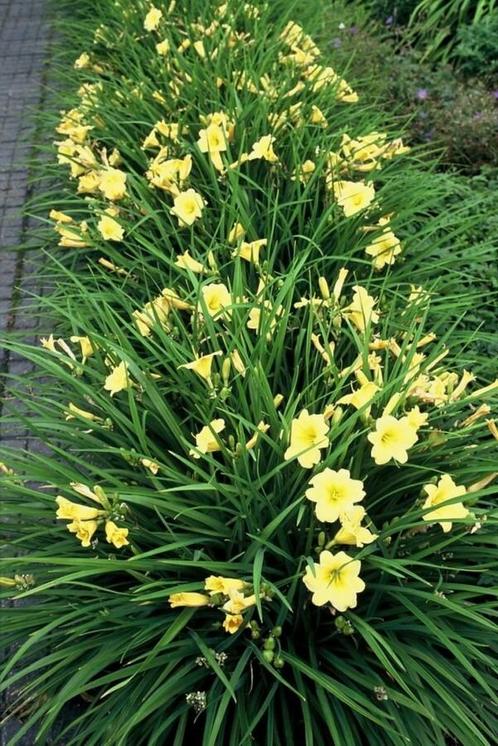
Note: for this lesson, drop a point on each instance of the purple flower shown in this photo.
(353, 30)
(495, 94)
(422, 94)
(389, 21)
(336, 43)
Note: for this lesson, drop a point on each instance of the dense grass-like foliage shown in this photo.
(270, 437)
(462, 32)
(435, 23)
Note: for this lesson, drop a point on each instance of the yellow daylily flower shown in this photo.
(89, 183)
(317, 116)
(163, 47)
(73, 410)
(238, 363)
(263, 149)
(218, 584)
(334, 493)
(384, 249)
(392, 439)
(262, 427)
(169, 174)
(237, 602)
(335, 580)
(153, 19)
(212, 140)
(265, 314)
(206, 441)
(82, 62)
(187, 598)
(361, 312)
(87, 348)
(118, 379)
(339, 284)
(351, 531)
(439, 497)
(110, 229)
(232, 623)
(70, 511)
(363, 153)
(112, 184)
(216, 298)
(97, 494)
(304, 172)
(308, 437)
(485, 389)
(116, 535)
(199, 48)
(249, 250)
(155, 311)
(169, 130)
(202, 365)
(59, 217)
(152, 466)
(416, 418)
(362, 396)
(187, 207)
(345, 93)
(84, 531)
(238, 231)
(353, 196)
(48, 343)
(186, 261)
(72, 237)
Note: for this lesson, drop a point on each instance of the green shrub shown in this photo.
(476, 52)
(268, 451)
(443, 29)
(434, 24)
(439, 107)
(392, 11)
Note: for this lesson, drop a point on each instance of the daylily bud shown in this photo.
(324, 288)
(277, 400)
(337, 416)
(225, 370)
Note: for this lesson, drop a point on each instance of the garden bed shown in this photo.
(267, 514)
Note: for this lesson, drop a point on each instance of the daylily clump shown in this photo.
(268, 447)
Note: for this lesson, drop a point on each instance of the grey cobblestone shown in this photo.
(24, 38)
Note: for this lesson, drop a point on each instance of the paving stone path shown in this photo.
(24, 52)
(24, 39)
(24, 46)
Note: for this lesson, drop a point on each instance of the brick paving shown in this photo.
(24, 43)
(24, 46)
